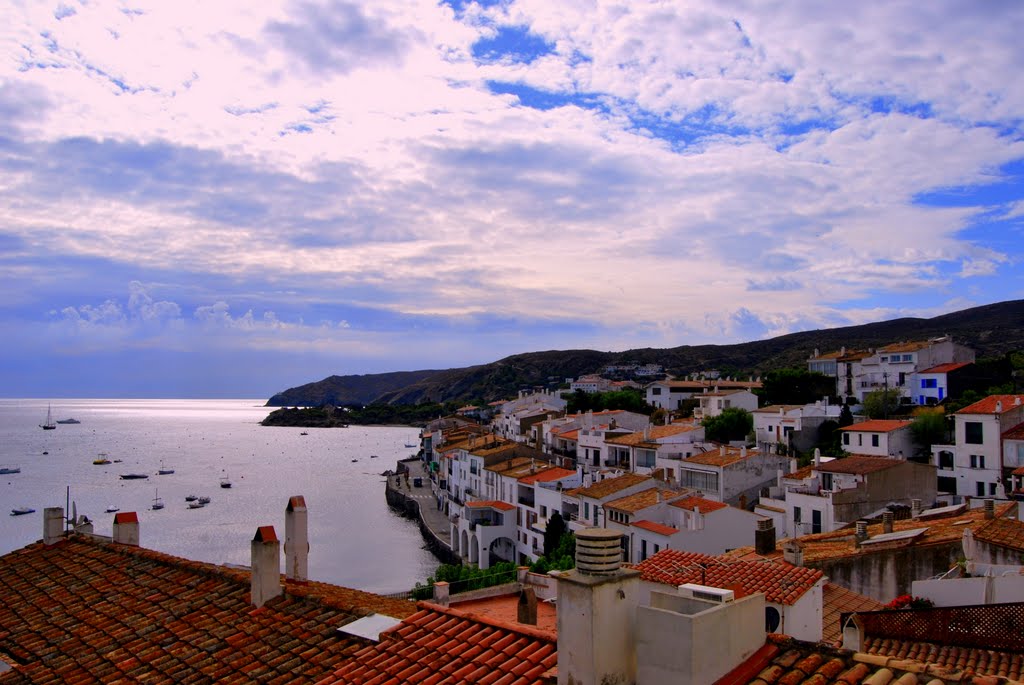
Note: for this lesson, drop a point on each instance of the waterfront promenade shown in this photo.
(421, 503)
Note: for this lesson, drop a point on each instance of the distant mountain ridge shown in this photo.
(992, 330)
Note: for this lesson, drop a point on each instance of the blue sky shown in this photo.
(228, 199)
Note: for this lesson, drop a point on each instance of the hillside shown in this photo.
(992, 330)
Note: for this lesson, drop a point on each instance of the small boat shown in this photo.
(373, 456)
(111, 509)
(191, 498)
(355, 460)
(9, 469)
(224, 481)
(303, 433)
(196, 505)
(101, 460)
(68, 421)
(157, 502)
(203, 500)
(409, 445)
(133, 476)
(21, 511)
(49, 425)
(163, 470)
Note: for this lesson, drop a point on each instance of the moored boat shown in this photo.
(112, 508)
(157, 502)
(196, 505)
(49, 424)
(101, 460)
(225, 482)
(9, 469)
(21, 511)
(163, 470)
(68, 421)
(133, 476)
(203, 500)
(191, 498)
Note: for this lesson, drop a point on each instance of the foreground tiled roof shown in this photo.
(988, 405)
(781, 583)
(1004, 531)
(877, 426)
(610, 486)
(836, 601)
(786, 661)
(445, 645)
(653, 527)
(940, 530)
(89, 611)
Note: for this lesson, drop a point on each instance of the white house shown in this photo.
(779, 427)
(731, 475)
(643, 451)
(896, 366)
(590, 383)
(973, 466)
(714, 402)
(590, 500)
(932, 385)
(879, 437)
(671, 394)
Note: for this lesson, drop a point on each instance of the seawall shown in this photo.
(402, 501)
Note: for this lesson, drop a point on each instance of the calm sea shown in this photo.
(355, 540)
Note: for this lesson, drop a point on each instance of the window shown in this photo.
(543, 512)
(991, 489)
(657, 548)
(701, 480)
(586, 510)
(977, 461)
(796, 514)
(979, 489)
(929, 382)
(846, 438)
(655, 391)
(645, 458)
(826, 481)
(643, 550)
(946, 460)
(874, 440)
(973, 433)
(815, 521)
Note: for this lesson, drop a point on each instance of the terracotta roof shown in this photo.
(877, 426)
(83, 610)
(857, 464)
(547, 475)
(837, 600)
(1015, 433)
(786, 661)
(610, 486)
(945, 368)
(802, 473)
(913, 346)
(655, 527)
(941, 530)
(988, 405)
(640, 500)
(653, 434)
(781, 583)
(491, 504)
(572, 434)
(716, 458)
(701, 504)
(1005, 531)
(446, 645)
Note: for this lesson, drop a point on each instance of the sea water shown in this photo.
(355, 539)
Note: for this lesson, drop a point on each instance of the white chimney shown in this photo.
(126, 528)
(266, 566)
(999, 406)
(597, 602)
(53, 525)
(817, 457)
(296, 539)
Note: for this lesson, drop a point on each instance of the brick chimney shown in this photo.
(53, 525)
(861, 533)
(266, 566)
(597, 603)
(296, 539)
(126, 528)
(990, 508)
(764, 537)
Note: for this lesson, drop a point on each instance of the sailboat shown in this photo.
(157, 502)
(163, 470)
(225, 482)
(49, 425)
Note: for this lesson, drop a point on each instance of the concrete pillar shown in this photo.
(265, 583)
(53, 525)
(442, 593)
(126, 528)
(597, 603)
(296, 539)
(526, 608)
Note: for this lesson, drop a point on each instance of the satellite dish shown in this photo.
(772, 619)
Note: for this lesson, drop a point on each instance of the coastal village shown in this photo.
(696, 561)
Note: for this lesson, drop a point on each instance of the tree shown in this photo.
(845, 416)
(796, 386)
(553, 533)
(929, 427)
(882, 404)
(732, 424)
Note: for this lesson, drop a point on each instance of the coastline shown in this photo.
(420, 504)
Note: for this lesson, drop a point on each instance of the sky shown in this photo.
(227, 199)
